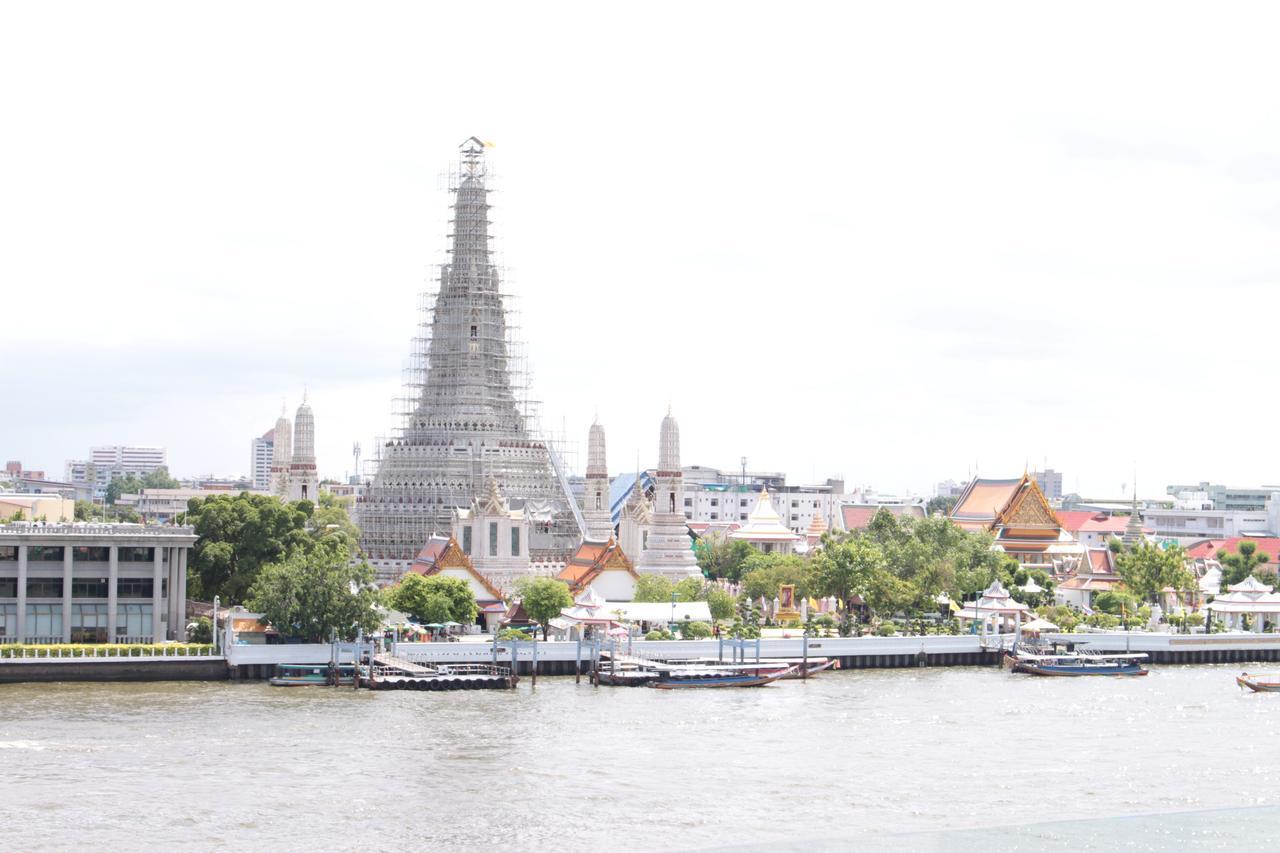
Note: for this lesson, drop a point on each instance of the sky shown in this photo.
(894, 243)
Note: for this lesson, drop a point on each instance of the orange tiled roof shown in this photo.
(983, 500)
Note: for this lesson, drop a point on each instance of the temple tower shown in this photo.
(667, 551)
(463, 424)
(633, 523)
(304, 484)
(1133, 528)
(281, 453)
(595, 499)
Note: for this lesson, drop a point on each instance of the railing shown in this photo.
(144, 652)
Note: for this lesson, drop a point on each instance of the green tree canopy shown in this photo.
(653, 588)
(237, 536)
(434, 599)
(765, 573)
(159, 479)
(845, 569)
(126, 485)
(314, 594)
(1246, 561)
(1147, 569)
(690, 589)
(720, 603)
(720, 557)
(543, 599)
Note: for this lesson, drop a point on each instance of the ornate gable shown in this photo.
(1029, 508)
(453, 557)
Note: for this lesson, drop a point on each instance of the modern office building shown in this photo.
(110, 462)
(93, 583)
(260, 460)
(1229, 498)
(1050, 483)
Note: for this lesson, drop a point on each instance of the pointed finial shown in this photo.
(304, 393)
(284, 406)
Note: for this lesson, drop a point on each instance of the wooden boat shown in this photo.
(727, 676)
(1073, 664)
(1259, 682)
(311, 674)
(816, 665)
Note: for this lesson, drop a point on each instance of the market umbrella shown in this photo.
(1037, 626)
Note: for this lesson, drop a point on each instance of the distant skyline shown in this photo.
(891, 244)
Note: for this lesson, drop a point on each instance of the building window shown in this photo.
(44, 622)
(88, 623)
(86, 554)
(715, 502)
(515, 541)
(8, 587)
(45, 553)
(44, 587)
(742, 502)
(688, 501)
(135, 555)
(8, 621)
(493, 539)
(466, 541)
(131, 588)
(89, 588)
(8, 552)
(474, 331)
(134, 621)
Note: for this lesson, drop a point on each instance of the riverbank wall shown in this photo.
(179, 669)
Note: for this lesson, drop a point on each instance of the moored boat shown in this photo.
(311, 674)
(1259, 682)
(716, 676)
(1070, 664)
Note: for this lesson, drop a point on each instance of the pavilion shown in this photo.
(764, 529)
(1250, 598)
(994, 610)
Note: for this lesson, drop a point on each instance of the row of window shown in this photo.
(89, 622)
(493, 541)
(84, 587)
(79, 553)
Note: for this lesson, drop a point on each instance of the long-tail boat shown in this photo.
(1259, 682)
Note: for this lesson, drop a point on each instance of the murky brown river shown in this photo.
(925, 759)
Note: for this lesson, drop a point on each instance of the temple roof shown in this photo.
(590, 560)
(983, 499)
(444, 552)
(858, 516)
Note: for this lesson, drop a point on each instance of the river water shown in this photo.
(960, 758)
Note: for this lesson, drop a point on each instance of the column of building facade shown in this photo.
(180, 627)
(157, 603)
(22, 593)
(113, 578)
(68, 571)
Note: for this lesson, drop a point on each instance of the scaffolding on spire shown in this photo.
(465, 414)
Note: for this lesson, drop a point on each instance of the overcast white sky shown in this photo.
(887, 242)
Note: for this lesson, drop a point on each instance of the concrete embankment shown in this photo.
(179, 669)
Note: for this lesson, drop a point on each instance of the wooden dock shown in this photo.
(405, 675)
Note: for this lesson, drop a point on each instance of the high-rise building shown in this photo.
(260, 460)
(1050, 482)
(130, 460)
(464, 425)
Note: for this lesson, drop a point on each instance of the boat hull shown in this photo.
(716, 681)
(1077, 670)
(1256, 686)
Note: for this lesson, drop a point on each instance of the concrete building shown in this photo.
(1050, 483)
(110, 462)
(161, 506)
(93, 583)
(1186, 524)
(44, 507)
(260, 453)
(1229, 498)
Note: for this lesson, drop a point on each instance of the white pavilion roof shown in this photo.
(764, 524)
(1249, 596)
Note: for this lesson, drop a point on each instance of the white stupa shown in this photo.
(668, 550)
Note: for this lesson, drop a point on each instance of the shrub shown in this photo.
(202, 630)
(659, 634)
(695, 630)
(886, 629)
(513, 634)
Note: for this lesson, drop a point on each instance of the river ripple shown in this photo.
(870, 759)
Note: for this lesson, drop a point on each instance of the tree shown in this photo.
(720, 603)
(159, 479)
(690, 589)
(237, 536)
(316, 594)
(845, 568)
(719, 557)
(1147, 569)
(544, 598)
(126, 485)
(201, 630)
(765, 573)
(87, 511)
(652, 588)
(1237, 567)
(940, 505)
(436, 599)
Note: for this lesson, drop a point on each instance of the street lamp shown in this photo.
(673, 610)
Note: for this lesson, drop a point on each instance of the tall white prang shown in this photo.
(668, 550)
